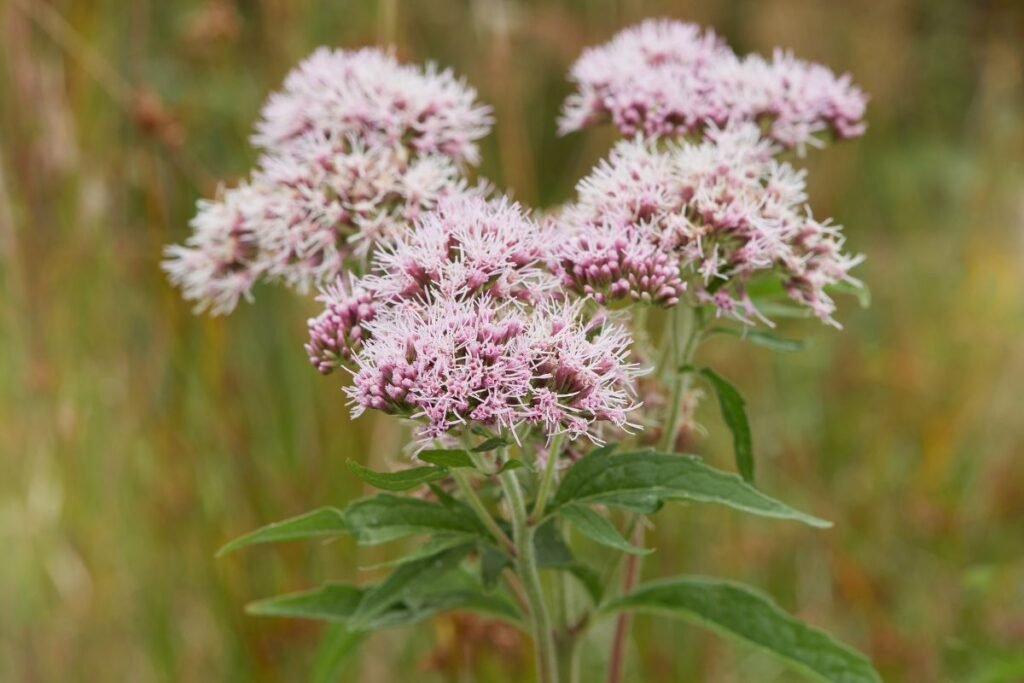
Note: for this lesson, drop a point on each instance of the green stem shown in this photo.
(685, 326)
(554, 449)
(526, 564)
(469, 493)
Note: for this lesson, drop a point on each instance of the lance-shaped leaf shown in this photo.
(408, 579)
(661, 476)
(734, 412)
(325, 521)
(746, 614)
(385, 517)
(598, 529)
(554, 553)
(339, 603)
(333, 602)
(768, 340)
(446, 457)
(398, 481)
(432, 546)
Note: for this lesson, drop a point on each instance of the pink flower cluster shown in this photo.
(719, 212)
(669, 79)
(453, 362)
(458, 323)
(356, 147)
(466, 247)
(339, 331)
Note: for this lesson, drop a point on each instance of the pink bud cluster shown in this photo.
(669, 79)
(356, 147)
(339, 331)
(724, 211)
(456, 362)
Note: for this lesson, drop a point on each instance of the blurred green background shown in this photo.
(136, 438)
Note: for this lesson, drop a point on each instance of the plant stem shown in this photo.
(526, 563)
(554, 449)
(462, 481)
(684, 330)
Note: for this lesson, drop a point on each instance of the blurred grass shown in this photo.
(136, 438)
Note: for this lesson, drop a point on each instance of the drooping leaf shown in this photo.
(398, 481)
(446, 457)
(763, 338)
(386, 517)
(326, 521)
(598, 529)
(734, 412)
(337, 646)
(408, 579)
(612, 479)
(746, 614)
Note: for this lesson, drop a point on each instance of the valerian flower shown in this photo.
(453, 363)
(356, 147)
(669, 79)
(725, 210)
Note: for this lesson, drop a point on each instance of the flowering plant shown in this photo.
(546, 363)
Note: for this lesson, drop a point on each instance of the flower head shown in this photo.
(453, 362)
(367, 94)
(667, 79)
(725, 210)
(357, 147)
(466, 247)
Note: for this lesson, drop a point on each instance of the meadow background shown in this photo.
(136, 438)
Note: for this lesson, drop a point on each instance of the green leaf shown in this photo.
(554, 553)
(734, 412)
(429, 548)
(510, 464)
(746, 614)
(490, 444)
(334, 602)
(858, 289)
(598, 529)
(446, 457)
(386, 517)
(644, 475)
(338, 603)
(761, 338)
(398, 481)
(325, 521)
(337, 646)
(408, 579)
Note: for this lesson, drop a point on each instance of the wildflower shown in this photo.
(357, 147)
(668, 79)
(340, 330)
(456, 362)
(466, 247)
(368, 95)
(725, 210)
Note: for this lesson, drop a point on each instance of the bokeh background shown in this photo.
(136, 438)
